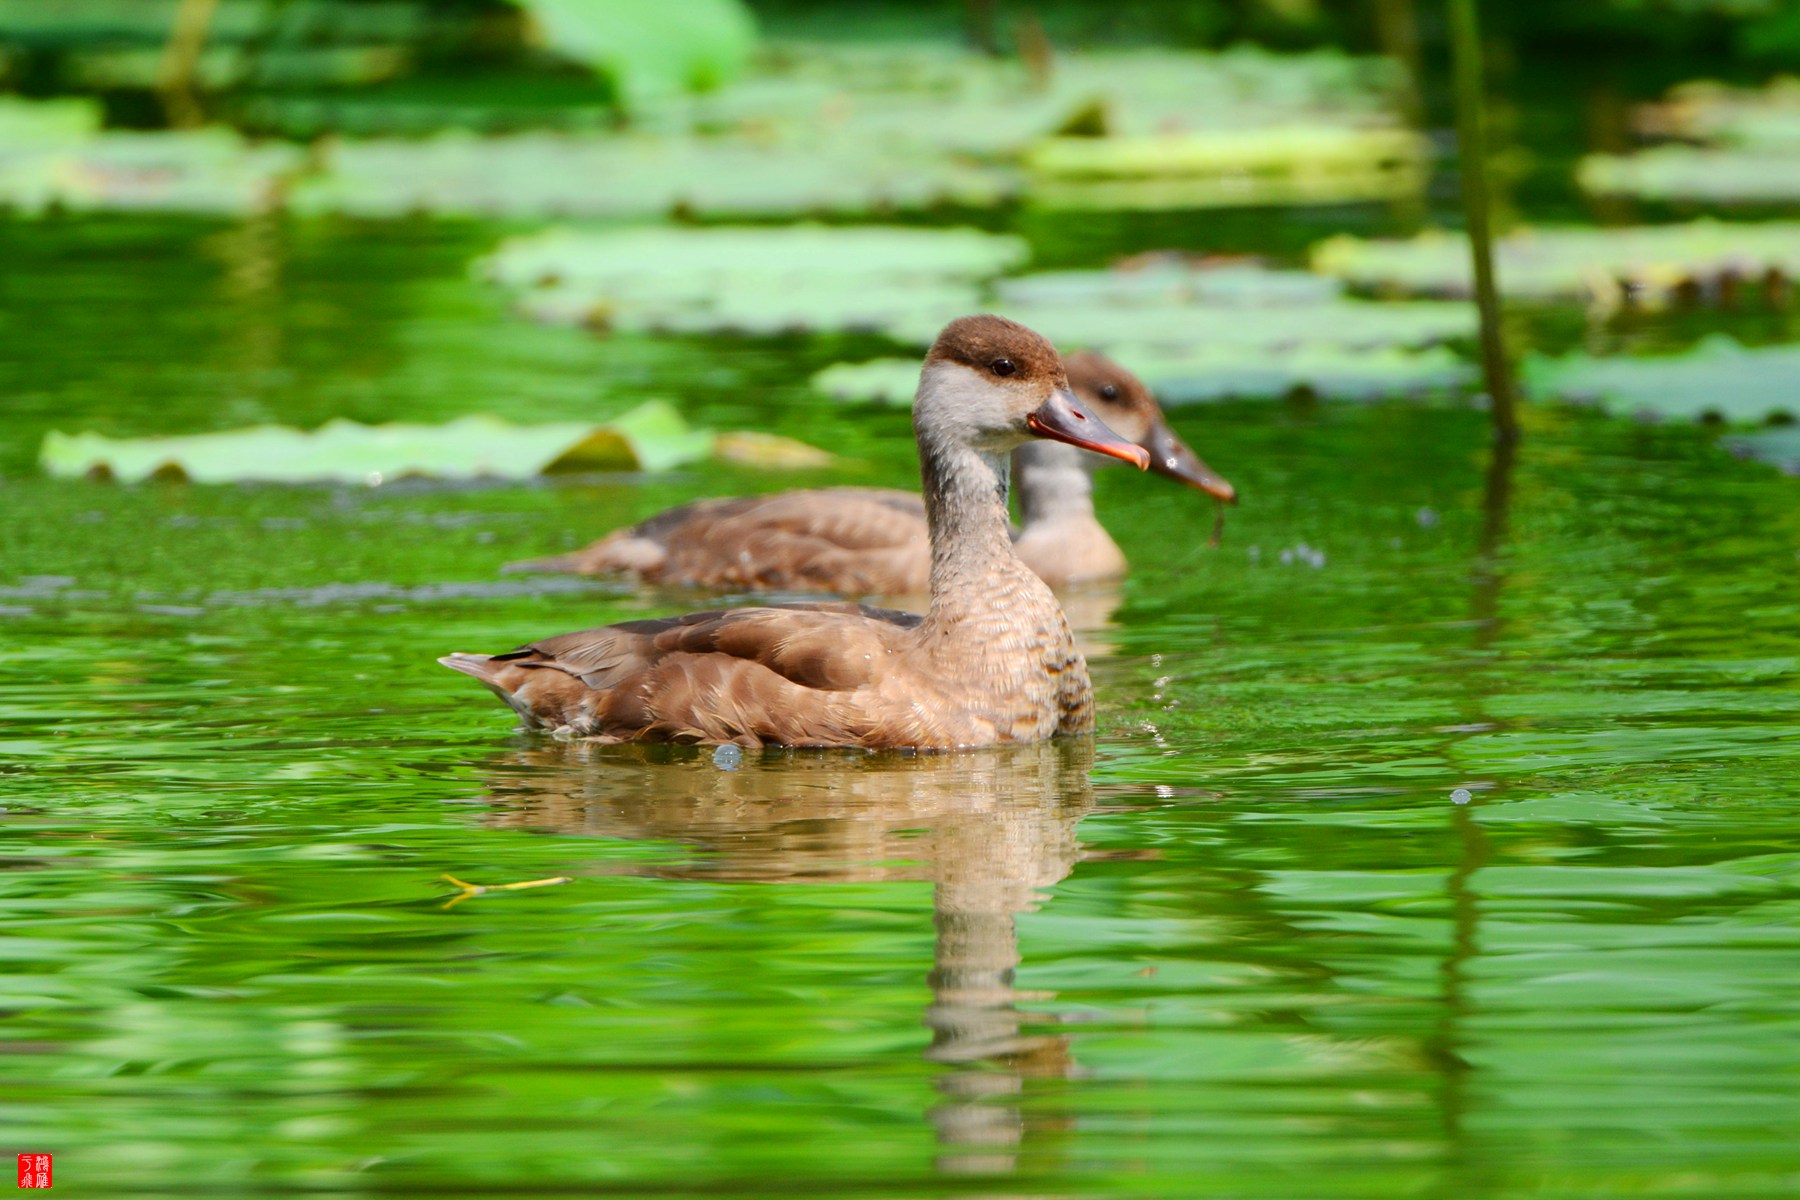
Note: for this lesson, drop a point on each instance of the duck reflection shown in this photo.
(989, 829)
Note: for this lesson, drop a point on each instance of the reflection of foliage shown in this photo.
(1717, 378)
(1642, 263)
(650, 49)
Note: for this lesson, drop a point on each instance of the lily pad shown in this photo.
(1199, 374)
(1780, 448)
(1717, 378)
(1707, 111)
(1644, 263)
(1306, 164)
(1221, 371)
(878, 381)
(649, 48)
(651, 437)
(636, 175)
(1343, 324)
(56, 158)
(754, 280)
(1694, 175)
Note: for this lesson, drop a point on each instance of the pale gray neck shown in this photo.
(965, 509)
(1056, 483)
(965, 493)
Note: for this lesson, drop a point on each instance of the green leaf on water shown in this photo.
(1779, 448)
(1201, 373)
(879, 381)
(651, 437)
(751, 280)
(649, 48)
(1305, 164)
(1717, 378)
(1610, 265)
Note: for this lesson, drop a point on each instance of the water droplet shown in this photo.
(728, 757)
(1461, 796)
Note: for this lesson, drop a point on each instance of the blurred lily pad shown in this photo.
(52, 154)
(878, 381)
(1717, 378)
(651, 437)
(1708, 111)
(1304, 164)
(1746, 152)
(1202, 373)
(751, 280)
(649, 48)
(1638, 263)
(635, 175)
(1780, 448)
(1694, 174)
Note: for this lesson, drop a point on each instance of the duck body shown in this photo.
(874, 541)
(991, 661)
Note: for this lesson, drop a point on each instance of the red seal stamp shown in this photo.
(34, 1170)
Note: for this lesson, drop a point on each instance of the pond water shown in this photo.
(1438, 839)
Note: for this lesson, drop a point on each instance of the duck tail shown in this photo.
(478, 666)
(555, 564)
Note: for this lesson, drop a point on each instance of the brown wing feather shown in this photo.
(752, 675)
(852, 540)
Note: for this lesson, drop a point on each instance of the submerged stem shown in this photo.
(1471, 137)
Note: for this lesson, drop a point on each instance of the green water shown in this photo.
(1243, 944)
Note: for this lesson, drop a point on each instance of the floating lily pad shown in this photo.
(635, 175)
(1197, 374)
(1693, 174)
(1707, 111)
(1343, 324)
(1717, 378)
(1780, 448)
(1283, 165)
(758, 280)
(1642, 263)
(1171, 279)
(651, 437)
(879, 381)
(52, 155)
(649, 48)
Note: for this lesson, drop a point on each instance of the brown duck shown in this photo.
(872, 541)
(991, 661)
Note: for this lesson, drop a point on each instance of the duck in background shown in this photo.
(873, 541)
(992, 660)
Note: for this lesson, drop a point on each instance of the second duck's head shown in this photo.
(990, 384)
(1130, 410)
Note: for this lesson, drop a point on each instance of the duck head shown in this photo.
(1120, 399)
(992, 384)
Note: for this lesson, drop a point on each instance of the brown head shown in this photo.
(992, 383)
(1120, 399)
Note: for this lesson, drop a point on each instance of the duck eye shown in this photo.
(1002, 366)
(1109, 391)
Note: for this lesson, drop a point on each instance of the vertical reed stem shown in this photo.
(1471, 138)
(180, 60)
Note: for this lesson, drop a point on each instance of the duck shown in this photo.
(991, 661)
(855, 541)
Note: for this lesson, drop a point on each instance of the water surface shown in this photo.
(1243, 943)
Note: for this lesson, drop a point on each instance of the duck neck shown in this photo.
(1055, 484)
(965, 510)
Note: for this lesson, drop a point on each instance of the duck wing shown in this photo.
(852, 540)
(793, 674)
